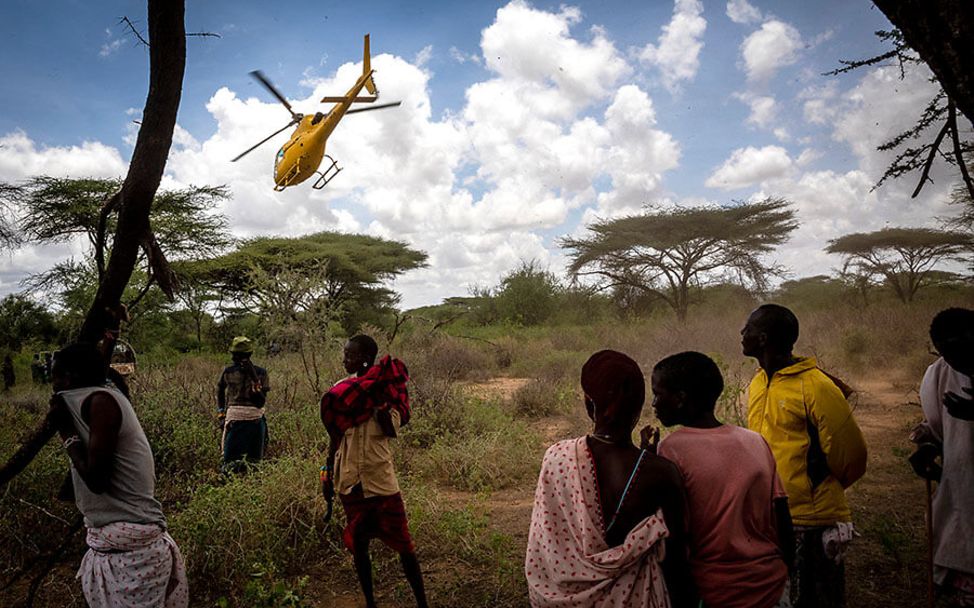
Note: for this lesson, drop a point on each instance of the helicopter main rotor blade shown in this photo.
(273, 90)
(266, 139)
(378, 107)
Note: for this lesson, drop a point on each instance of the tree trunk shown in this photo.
(942, 32)
(167, 62)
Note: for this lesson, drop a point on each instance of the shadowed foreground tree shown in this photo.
(23, 321)
(133, 202)
(667, 253)
(941, 32)
(905, 258)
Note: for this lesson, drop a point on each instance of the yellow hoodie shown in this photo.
(798, 397)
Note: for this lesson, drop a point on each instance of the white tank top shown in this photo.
(131, 490)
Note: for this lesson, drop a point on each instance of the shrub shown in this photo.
(484, 449)
(539, 398)
(271, 517)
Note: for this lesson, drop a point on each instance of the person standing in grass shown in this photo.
(362, 413)
(240, 397)
(803, 415)
(131, 559)
(8, 373)
(605, 512)
(947, 432)
(741, 543)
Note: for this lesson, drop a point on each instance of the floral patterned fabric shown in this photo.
(568, 563)
(133, 565)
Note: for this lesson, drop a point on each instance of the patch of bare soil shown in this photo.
(496, 388)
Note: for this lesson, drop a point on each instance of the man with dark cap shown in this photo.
(240, 395)
(803, 415)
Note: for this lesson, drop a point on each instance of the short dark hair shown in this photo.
(368, 346)
(950, 323)
(694, 373)
(83, 362)
(779, 323)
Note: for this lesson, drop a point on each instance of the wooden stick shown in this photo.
(930, 593)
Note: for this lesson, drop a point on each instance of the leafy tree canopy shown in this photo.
(906, 258)
(23, 321)
(295, 274)
(54, 210)
(667, 252)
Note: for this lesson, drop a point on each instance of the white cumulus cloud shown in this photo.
(770, 48)
(677, 51)
(741, 11)
(750, 166)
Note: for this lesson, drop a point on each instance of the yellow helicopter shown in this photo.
(300, 157)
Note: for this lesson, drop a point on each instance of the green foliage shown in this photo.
(527, 295)
(811, 292)
(23, 321)
(286, 276)
(262, 591)
(540, 398)
(667, 252)
(270, 516)
(57, 209)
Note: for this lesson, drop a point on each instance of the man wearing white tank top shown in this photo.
(131, 560)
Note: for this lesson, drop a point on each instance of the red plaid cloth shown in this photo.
(352, 401)
(382, 517)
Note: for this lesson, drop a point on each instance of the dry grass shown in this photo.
(485, 407)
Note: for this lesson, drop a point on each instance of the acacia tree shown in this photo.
(667, 253)
(54, 210)
(941, 32)
(285, 276)
(906, 258)
(133, 202)
(937, 33)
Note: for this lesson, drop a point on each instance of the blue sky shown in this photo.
(521, 121)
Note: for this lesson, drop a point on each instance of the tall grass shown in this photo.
(243, 536)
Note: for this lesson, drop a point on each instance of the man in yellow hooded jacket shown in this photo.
(804, 416)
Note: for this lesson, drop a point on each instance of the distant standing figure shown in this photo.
(8, 373)
(947, 399)
(48, 364)
(37, 369)
(240, 396)
(803, 415)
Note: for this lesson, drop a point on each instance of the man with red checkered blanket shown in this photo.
(362, 413)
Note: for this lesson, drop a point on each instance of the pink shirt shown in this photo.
(731, 482)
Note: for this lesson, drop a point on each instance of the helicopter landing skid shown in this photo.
(327, 175)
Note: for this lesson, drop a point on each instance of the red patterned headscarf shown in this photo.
(615, 384)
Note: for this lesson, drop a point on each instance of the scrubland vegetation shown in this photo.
(468, 459)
